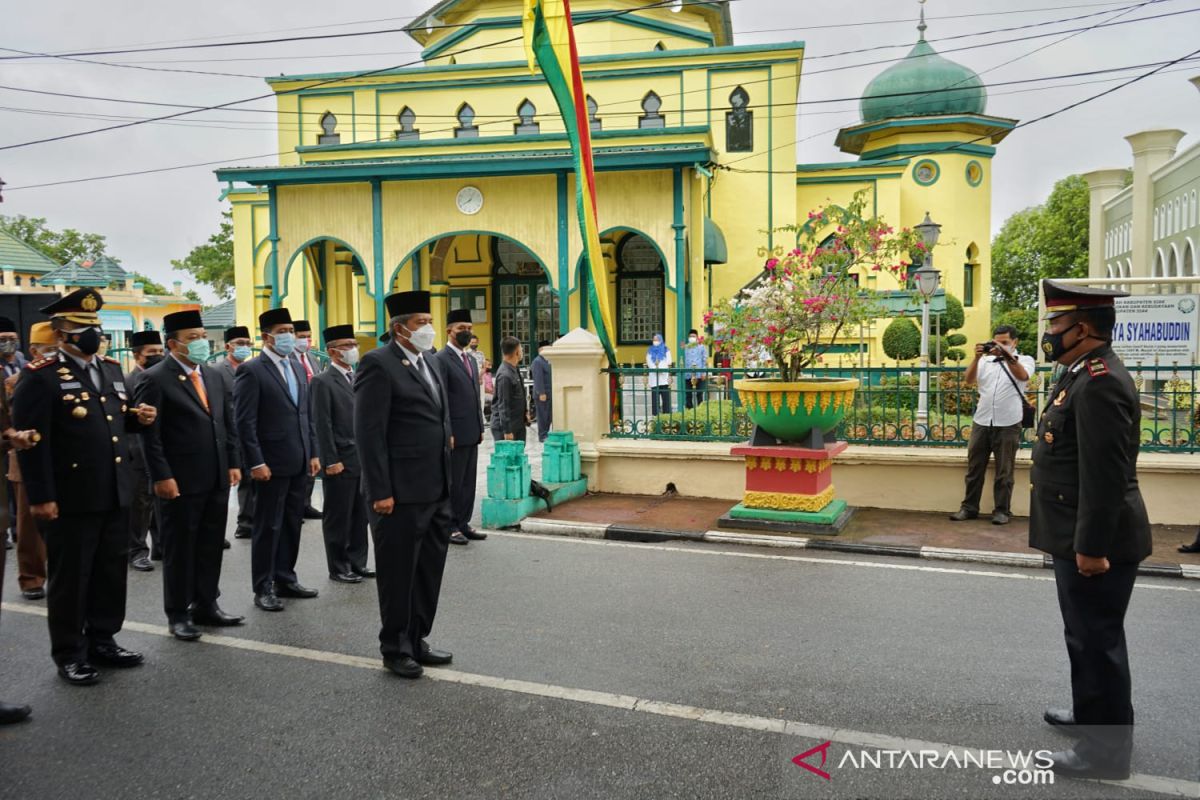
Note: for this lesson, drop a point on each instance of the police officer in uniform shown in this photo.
(1087, 512)
(79, 486)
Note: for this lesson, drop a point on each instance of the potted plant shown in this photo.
(804, 302)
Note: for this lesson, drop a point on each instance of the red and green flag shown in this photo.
(550, 44)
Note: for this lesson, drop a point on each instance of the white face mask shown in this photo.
(693, 339)
(302, 345)
(350, 356)
(422, 338)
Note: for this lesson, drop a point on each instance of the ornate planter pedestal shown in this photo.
(789, 490)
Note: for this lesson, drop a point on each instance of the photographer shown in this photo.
(1002, 376)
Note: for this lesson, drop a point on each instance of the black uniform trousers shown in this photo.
(145, 533)
(344, 524)
(1093, 612)
(410, 555)
(245, 496)
(86, 557)
(464, 463)
(275, 538)
(193, 544)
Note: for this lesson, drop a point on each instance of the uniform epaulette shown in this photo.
(110, 359)
(41, 362)
(1096, 367)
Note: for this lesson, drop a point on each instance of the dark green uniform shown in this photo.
(1085, 499)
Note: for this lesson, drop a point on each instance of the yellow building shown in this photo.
(455, 175)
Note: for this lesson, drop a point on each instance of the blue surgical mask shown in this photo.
(198, 351)
(285, 343)
(241, 352)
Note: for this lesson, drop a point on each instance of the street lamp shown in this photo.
(927, 280)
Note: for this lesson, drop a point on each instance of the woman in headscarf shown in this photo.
(658, 357)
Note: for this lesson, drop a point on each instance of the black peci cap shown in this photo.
(236, 332)
(336, 332)
(458, 315)
(182, 320)
(143, 338)
(402, 303)
(274, 316)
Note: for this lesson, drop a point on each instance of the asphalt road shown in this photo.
(598, 670)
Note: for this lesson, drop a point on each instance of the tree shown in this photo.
(902, 339)
(1046, 241)
(212, 262)
(149, 285)
(954, 318)
(60, 246)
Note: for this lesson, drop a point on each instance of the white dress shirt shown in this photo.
(999, 404)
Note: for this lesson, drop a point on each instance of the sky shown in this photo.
(152, 219)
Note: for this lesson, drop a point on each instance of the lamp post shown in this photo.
(927, 279)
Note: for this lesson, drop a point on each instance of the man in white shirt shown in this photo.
(1002, 376)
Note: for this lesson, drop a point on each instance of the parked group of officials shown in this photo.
(102, 458)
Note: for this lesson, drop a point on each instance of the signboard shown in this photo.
(1161, 326)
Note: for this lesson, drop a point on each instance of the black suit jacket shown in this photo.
(509, 408)
(194, 446)
(273, 430)
(137, 454)
(462, 389)
(402, 429)
(1084, 496)
(82, 461)
(333, 416)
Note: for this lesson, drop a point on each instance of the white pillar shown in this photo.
(1151, 149)
(580, 393)
(1102, 185)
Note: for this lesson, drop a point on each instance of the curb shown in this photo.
(625, 533)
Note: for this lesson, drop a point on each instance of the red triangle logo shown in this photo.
(823, 749)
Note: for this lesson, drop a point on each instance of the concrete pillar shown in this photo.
(580, 393)
(1102, 185)
(1151, 149)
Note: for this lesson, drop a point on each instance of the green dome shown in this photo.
(896, 92)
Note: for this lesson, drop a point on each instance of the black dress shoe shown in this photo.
(34, 594)
(312, 513)
(474, 535)
(142, 564)
(268, 602)
(1070, 764)
(215, 617)
(962, 515)
(227, 545)
(1000, 518)
(10, 714)
(345, 577)
(78, 673)
(115, 656)
(363, 572)
(184, 631)
(427, 655)
(1194, 547)
(241, 533)
(1059, 716)
(458, 538)
(294, 590)
(404, 666)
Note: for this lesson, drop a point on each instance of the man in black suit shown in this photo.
(192, 455)
(510, 413)
(304, 357)
(238, 350)
(271, 406)
(147, 348)
(1087, 512)
(79, 486)
(461, 374)
(345, 523)
(402, 426)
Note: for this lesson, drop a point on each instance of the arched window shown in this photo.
(329, 134)
(467, 129)
(594, 122)
(660, 46)
(1156, 231)
(739, 123)
(1177, 219)
(641, 285)
(651, 116)
(970, 274)
(525, 119)
(1194, 208)
(407, 119)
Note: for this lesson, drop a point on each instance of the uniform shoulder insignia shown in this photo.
(1096, 367)
(40, 363)
(110, 360)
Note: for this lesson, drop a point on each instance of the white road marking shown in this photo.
(860, 739)
(843, 562)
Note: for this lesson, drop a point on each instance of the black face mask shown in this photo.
(462, 339)
(152, 360)
(87, 340)
(1054, 345)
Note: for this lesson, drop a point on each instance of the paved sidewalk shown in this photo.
(879, 530)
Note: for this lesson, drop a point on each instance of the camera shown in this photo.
(988, 347)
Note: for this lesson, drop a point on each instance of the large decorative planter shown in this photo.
(790, 411)
(789, 481)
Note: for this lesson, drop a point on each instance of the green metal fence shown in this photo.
(702, 405)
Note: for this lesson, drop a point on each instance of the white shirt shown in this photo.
(656, 378)
(423, 368)
(999, 404)
(282, 364)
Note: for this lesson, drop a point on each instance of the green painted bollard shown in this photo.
(508, 474)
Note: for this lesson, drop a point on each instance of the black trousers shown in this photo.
(464, 463)
(696, 391)
(275, 538)
(987, 441)
(344, 525)
(1093, 612)
(87, 565)
(545, 417)
(193, 543)
(410, 555)
(245, 496)
(312, 482)
(143, 521)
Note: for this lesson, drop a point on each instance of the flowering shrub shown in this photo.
(802, 302)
